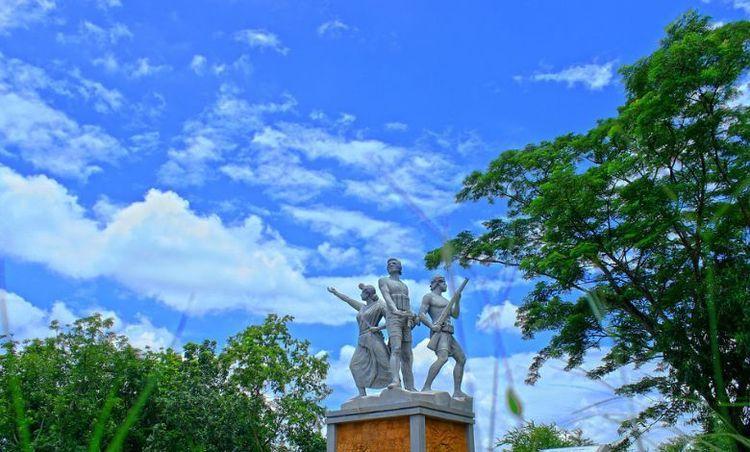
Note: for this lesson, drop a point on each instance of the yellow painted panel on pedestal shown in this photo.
(377, 435)
(445, 436)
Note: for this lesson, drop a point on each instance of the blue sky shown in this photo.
(226, 159)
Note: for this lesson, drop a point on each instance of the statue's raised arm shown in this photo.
(370, 364)
(356, 305)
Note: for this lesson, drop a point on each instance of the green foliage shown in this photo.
(533, 437)
(88, 388)
(639, 231)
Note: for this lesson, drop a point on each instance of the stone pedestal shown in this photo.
(402, 421)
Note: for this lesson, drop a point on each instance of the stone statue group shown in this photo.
(377, 365)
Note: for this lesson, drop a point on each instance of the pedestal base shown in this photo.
(402, 421)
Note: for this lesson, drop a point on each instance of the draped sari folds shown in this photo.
(370, 362)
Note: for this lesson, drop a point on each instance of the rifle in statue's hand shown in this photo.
(445, 313)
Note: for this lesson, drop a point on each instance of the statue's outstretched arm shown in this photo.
(356, 305)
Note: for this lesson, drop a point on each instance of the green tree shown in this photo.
(697, 443)
(533, 437)
(84, 386)
(638, 231)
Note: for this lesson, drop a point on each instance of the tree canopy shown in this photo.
(86, 387)
(638, 231)
(532, 437)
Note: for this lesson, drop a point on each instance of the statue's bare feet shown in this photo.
(459, 394)
(411, 388)
(394, 384)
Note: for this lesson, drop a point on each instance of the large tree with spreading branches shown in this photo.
(638, 231)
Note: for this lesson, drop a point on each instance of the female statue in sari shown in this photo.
(370, 363)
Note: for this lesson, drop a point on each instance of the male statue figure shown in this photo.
(444, 345)
(399, 321)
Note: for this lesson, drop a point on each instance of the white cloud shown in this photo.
(106, 4)
(46, 137)
(592, 76)
(336, 256)
(318, 115)
(161, 249)
(145, 142)
(104, 209)
(743, 5)
(105, 99)
(52, 141)
(62, 314)
(579, 402)
(284, 176)
(333, 28)
(190, 165)
(93, 33)
(398, 176)
(743, 93)
(261, 39)
(143, 68)
(241, 66)
(494, 318)
(19, 76)
(216, 131)
(396, 126)
(316, 143)
(346, 119)
(26, 321)
(23, 13)
(108, 62)
(379, 239)
(198, 64)
(427, 184)
(145, 334)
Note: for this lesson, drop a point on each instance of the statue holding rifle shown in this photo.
(442, 342)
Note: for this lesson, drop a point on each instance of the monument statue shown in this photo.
(442, 342)
(398, 419)
(399, 320)
(370, 366)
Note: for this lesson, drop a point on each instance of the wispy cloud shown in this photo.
(591, 76)
(283, 175)
(222, 127)
(46, 137)
(23, 13)
(261, 39)
(333, 28)
(108, 62)
(379, 239)
(396, 126)
(90, 32)
(107, 4)
(402, 176)
(143, 68)
(198, 64)
(744, 5)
